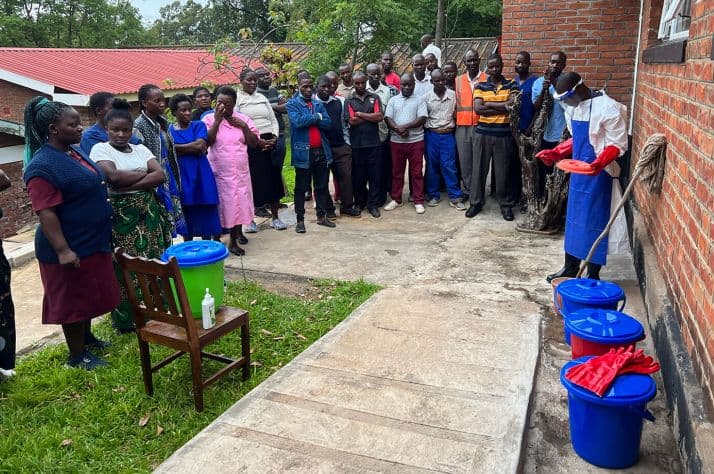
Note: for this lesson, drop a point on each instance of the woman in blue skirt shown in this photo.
(199, 196)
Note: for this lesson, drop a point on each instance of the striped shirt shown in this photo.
(494, 124)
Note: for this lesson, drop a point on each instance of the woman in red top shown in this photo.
(73, 242)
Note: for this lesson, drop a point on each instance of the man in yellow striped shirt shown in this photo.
(493, 100)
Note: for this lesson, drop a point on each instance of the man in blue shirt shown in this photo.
(525, 80)
(556, 123)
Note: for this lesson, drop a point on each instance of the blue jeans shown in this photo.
(441, 161)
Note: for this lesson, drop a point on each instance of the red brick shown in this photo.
(674, 99)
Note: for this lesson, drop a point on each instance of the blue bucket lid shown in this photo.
(196, 253)
(627, 389)
(604, 326)
(585, 290)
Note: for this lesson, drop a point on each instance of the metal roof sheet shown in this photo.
(120, 71)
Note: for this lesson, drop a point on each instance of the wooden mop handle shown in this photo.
(614, 214)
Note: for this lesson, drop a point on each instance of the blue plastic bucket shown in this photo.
(201, 264)
(607, 431)
(582, 293)
(594, 331)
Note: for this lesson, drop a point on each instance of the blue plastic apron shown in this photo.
(588, 200)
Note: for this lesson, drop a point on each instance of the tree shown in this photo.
(440, 20)
(353, 30)
(184, 24)
(71, 23)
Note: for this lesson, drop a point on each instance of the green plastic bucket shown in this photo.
(201, 264)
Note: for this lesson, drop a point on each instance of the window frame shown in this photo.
(672, 12)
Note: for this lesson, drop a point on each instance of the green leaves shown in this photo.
(71, 23)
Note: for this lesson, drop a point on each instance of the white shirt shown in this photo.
(258, 108)
(433, 49)
(136, 160)
(422, 87)
(384, 95)
(608, 125)
(404, 110)
(441, 109)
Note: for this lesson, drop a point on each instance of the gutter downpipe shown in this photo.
(637, 63)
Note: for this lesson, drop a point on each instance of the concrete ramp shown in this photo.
(432, 374)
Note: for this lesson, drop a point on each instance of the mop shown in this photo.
(649, 169)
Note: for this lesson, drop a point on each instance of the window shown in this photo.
(674, 23)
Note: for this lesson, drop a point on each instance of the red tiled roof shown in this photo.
(120, 71)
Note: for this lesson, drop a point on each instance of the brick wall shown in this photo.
(678, 100)
(14, 201)
(13, 100)
(600, 39)
(598, 36)
(17, 211)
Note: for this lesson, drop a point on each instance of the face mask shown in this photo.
(567, 94)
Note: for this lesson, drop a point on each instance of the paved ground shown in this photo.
(433, 373)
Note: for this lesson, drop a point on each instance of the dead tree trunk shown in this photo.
(544, 213)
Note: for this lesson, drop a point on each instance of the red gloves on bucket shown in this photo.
(598, 373)
(550, 157)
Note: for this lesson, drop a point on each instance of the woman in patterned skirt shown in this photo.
(153, 129)
(141, 224)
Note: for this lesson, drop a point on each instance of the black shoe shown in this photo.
(242, 239)
(300, 227)
(569, 270)
(262, 212)
(473, 210)
(507, 214)
(87, 361)
(331, 215)
(308, 196)
(282, 205)
(325, 221)
(594, 271)
(375, 212)
(93, 343)
(351, 212)
(236, 251)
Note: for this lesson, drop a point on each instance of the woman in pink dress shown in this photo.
(229, 136)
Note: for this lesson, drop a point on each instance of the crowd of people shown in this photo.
(139, 182)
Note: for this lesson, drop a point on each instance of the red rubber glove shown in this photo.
(598, 373)
(550, 157)
(607, 156)
(640, 364)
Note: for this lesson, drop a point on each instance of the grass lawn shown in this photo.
(55, 419)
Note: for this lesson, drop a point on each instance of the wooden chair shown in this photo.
(160, 321)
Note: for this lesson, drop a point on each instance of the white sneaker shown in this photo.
(458, 205)
(419, 208)
(392, 205)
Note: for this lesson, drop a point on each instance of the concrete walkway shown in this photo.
(432, 374)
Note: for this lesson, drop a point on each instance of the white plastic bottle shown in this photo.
(208, 311)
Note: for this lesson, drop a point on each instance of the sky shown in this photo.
(149, 9)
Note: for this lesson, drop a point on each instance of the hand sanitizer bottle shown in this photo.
(208, 311)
